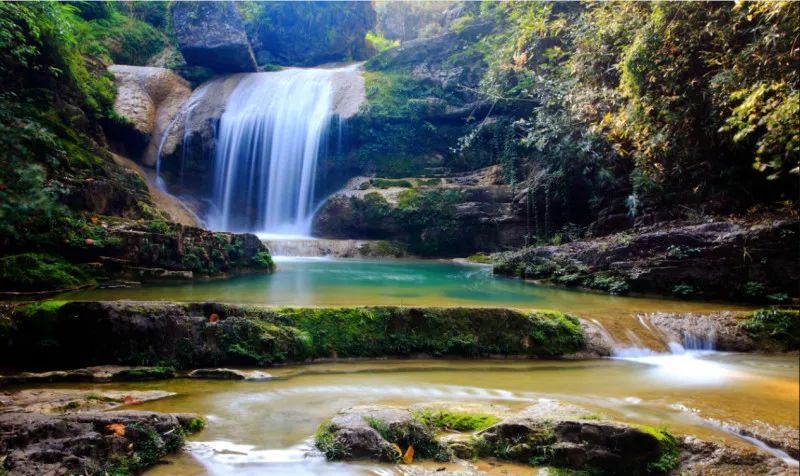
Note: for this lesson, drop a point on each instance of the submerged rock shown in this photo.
(229, 374)
(212, 34)
(90, 443)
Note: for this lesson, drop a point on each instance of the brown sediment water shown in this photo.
(266, 427)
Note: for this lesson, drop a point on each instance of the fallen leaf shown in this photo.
(118, 429)
(129, 400)
(94, 220)
(89, 241)
(213, 318)
(408, 458)
(399, 451)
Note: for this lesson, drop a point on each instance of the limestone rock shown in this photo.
(150, 99)
(212, 34)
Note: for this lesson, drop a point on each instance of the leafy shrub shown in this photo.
(775, 327)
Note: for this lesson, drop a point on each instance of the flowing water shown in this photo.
(268, 143)
(265, 427)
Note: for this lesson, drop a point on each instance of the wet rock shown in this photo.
(486, 215)
(101, 373)
(212, 34)
(711, 458)
(376, 433)
(149, 99)
(608, 447)
(48, 400)
(88, 443)
(735, 260)
(229, 374)
(719, 330)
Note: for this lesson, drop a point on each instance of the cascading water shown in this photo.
(268, 142)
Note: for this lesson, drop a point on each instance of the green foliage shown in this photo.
(389, 183)
(775, 327)
(195, 424)
(610, 283)
(683, 290)
(263, 260)
(668, 444)
(325, 441)
(454, 420)
(405, 435)
(39, 272)
(246, 341)
(379, 42)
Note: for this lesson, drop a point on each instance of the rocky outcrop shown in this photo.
(485, 215)
(61, 400)
(91, 442)
(719, 330)
(445, 60)
(310, 33)
(384, 433)
(77, 334)
(97, 374)
(149, 99)
(337, 248)
(212, 34)
(229, 374)
(738, 260)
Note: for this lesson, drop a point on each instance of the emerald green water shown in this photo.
(348, 282)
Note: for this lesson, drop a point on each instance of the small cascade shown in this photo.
(270, 136)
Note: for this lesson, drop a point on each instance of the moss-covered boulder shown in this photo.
(91, 442)
(383, 433)
(77, 334)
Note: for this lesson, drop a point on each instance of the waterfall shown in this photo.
(268, 142)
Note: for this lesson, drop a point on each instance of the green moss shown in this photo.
(325, 440)
(389, 183)
(480, 258)
(670, 455)
(39, 272)
(145, 373)
(454, 420)
(41, 308)
(195, 424)
(774, 327)
(554, 333)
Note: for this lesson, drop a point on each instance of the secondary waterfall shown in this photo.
(268, 142)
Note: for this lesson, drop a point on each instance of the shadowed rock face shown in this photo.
(721, 259)
(212, 34)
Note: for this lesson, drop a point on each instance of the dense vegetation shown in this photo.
(598, 109)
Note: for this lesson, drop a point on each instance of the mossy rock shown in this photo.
(29, 272)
